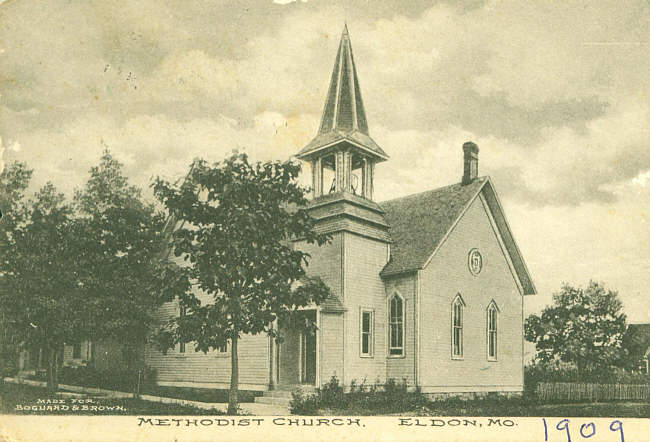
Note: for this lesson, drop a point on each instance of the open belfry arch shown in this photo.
(343, 155)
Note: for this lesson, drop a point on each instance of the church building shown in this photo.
(426, 288)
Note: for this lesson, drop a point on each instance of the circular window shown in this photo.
(475, 262)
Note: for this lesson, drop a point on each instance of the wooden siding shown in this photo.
(364, 259)
(177, 368)
(447, 275)
(326, 262)
(400, 368)
(331, 346)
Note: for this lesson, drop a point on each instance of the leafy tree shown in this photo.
(237, 222)
(584, 327)
(91, 270)
(38, 291)
(14, 180)
(121, 266)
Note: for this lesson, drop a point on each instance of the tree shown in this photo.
(584, 327)
(238, 220)
(38, 292)
(91, 270)
(121, 268)
(14, 180)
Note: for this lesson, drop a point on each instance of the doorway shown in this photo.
(296, 355)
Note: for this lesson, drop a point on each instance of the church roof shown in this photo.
(420, 223)
(344, 116)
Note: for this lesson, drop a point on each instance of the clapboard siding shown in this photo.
(213, 367)
(364, 259)
(325, 262)
(447, 275)
(400, 368)
(331, 346)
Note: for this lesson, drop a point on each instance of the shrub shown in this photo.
(109, 379)
(306, 405)
(332, 393)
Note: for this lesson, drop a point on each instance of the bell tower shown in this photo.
(343, 155)
(343, 158)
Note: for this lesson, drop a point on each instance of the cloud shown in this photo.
(152, 145)
(555, 95)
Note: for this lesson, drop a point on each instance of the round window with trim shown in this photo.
(475, 262)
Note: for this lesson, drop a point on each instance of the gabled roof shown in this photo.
(344, 116)
(420, 223)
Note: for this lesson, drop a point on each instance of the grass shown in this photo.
(193, 394)
(504, 407)
(12, 396)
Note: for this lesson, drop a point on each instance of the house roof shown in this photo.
(344, 116)
(420, 223)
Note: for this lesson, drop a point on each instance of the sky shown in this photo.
(556, 95)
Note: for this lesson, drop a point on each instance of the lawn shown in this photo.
(21, 399)
(503, 407)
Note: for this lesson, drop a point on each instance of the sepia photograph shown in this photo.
(242, 219)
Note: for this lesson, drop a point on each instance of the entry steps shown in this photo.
(282, 395)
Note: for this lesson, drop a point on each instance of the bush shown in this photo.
(110, 379)
(306, 405)
(361, 397)
(332, 393)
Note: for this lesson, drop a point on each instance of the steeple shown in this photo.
(343, 144)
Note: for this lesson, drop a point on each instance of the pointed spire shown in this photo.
(344, 116)
(344, 107)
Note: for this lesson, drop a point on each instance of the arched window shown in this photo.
(457, 307)
(492, 322)
(396, 325)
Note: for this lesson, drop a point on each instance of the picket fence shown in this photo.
(574, 391)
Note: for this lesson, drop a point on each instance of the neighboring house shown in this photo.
(427, 288)
(640, 335)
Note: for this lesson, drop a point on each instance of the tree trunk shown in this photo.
(52, 384)
(234, 377)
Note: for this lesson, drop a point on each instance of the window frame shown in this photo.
(370, 333)
(76, 350)
(389, 348)
(492, 308)
(457, 301)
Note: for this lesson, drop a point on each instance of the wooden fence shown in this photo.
(573, 391)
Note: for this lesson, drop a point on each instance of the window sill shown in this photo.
(492, 360)
(457, 358)
(396, 356)
(367, 356)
